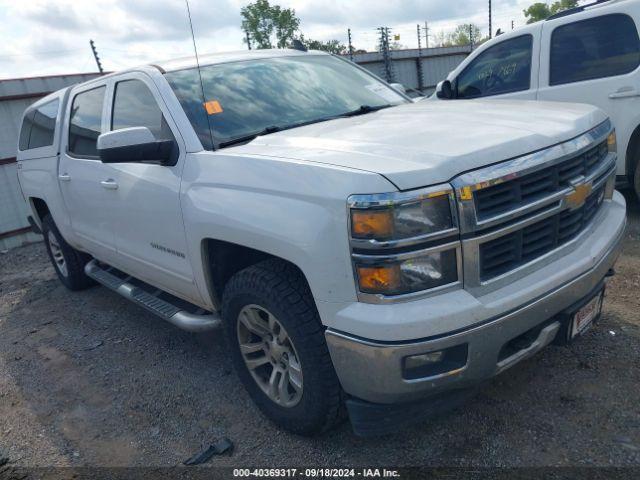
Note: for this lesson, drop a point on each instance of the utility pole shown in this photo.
(350, 45)
(426, 34)
(95, 55)
(490, 23)
(248, 39)
(511, 24)
(419, 60)
(386, 54)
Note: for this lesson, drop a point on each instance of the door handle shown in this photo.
(625, 92)
(64, 177)
(109, 184)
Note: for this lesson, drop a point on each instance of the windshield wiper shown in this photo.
(364, 109)
(251, 136)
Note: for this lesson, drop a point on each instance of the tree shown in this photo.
(261, 20)
(460, 36)
(331, 46)
(541, 11)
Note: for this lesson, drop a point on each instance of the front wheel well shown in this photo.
(224, 259)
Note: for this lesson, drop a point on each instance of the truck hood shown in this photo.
(425, 143)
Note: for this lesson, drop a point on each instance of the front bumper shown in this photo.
(373, 370)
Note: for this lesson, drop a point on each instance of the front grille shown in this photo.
(522, 246)
(510, 195)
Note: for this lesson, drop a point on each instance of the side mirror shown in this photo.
(399, 87)
(444, 91)
(136, 144)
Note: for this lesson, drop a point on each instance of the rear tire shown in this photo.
(269, 309)
(67, 262)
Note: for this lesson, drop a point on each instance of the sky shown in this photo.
(52, 37)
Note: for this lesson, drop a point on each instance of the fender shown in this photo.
(287, 208)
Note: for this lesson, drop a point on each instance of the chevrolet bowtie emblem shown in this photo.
(577, 198)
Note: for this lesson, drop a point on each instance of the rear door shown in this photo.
(595, 60)
(84, 180)
(147, 217)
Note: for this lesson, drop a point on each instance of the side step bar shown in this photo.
(169, 308)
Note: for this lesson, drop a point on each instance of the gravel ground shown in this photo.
(89, 379)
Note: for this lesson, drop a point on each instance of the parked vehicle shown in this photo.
(358, 248)
(590, 54)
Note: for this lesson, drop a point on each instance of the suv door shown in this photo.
(148, 225)
(595, 61)
(507, 69)
(83, 178)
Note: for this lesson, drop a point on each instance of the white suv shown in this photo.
(589, 54)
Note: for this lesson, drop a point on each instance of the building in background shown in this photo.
(15, 96)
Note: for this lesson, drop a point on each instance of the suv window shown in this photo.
(85, 123)
(599, 47)
(135, 106)
(39, 125)
(503, 68)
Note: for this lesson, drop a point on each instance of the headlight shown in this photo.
(402, 276)
(404, 243)
(401, 216)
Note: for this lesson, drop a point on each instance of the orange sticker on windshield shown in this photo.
(213, 107)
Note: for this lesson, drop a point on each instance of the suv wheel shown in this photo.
(68, 262)
(278, 347)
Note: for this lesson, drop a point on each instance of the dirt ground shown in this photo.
(89, 379)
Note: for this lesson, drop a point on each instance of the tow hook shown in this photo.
(610, 273)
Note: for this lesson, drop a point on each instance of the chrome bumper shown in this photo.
(373, 371)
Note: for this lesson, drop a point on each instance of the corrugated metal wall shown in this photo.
(15, 96)
(436, 65)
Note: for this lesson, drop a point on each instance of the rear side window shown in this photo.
(39, 126)
(503, 68)
(135, 106)
(599, 47)
(85, 123)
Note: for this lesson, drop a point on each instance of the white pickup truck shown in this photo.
(358, 248)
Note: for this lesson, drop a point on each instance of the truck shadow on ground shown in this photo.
(90, 379)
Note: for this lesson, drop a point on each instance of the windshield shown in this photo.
(257, 96)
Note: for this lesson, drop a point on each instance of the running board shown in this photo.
(182, 314)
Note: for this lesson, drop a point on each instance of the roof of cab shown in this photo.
(214, 58)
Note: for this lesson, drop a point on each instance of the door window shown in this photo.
(39, 125)
(85, 123)
(503, 68)
(135, 106)
(599, 47)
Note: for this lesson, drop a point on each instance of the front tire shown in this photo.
(67, 262)
(278, 348)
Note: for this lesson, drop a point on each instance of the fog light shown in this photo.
(440, 362)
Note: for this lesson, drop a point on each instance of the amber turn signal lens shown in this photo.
(383, 279)
(612, 142)
(376, 224)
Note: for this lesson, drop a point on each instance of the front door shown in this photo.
(507, 69)
(147, 217)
